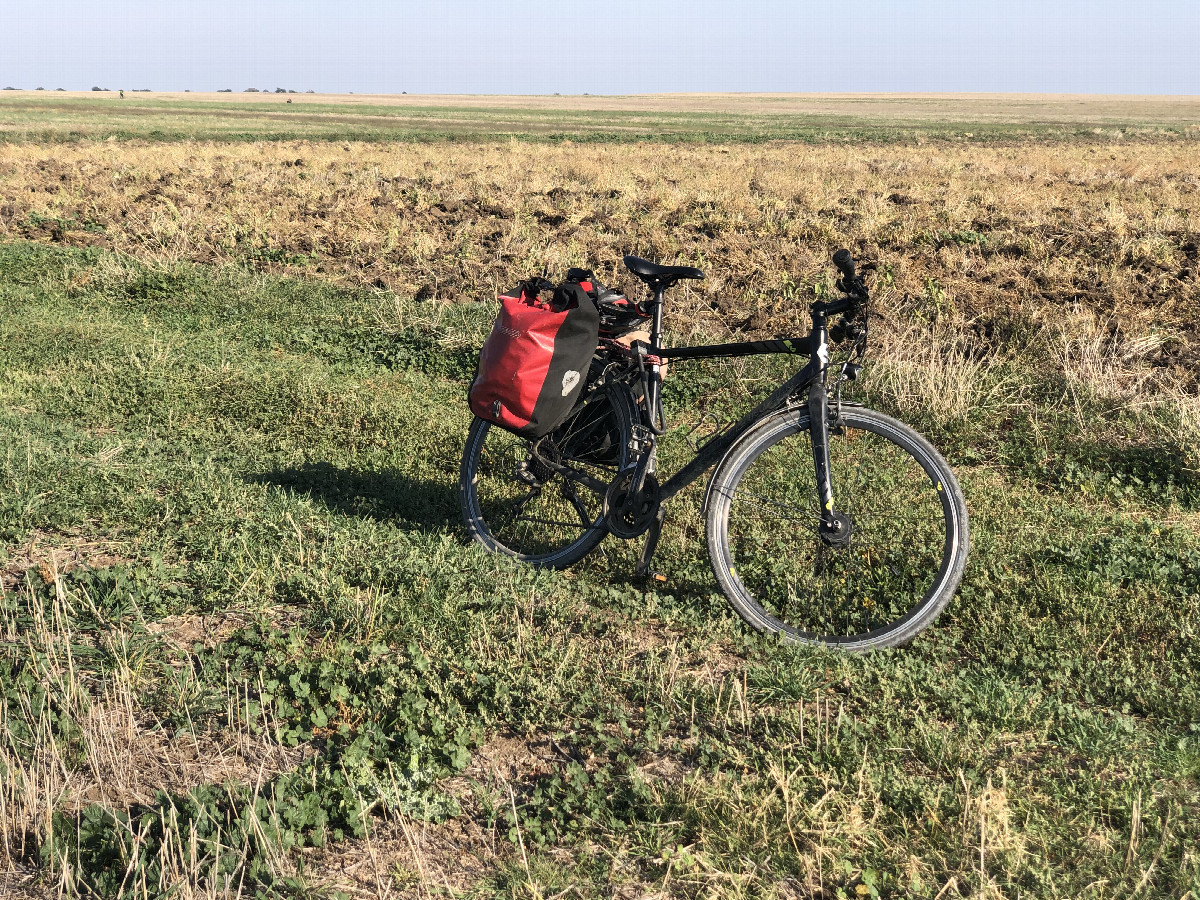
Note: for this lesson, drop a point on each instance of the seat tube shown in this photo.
(655, 345)
(654, 385)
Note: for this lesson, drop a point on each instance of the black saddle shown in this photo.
(659, 277)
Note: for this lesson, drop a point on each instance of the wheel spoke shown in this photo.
(548, 523)
(554, 522)
(750, 498)
(788, 578)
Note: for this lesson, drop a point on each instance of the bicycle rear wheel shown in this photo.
(906, 549)
(515, 501)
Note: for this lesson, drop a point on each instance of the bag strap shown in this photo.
(568, 295)
(532, 287)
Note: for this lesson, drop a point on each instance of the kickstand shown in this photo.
(652, 533)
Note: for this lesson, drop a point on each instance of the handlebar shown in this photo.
(845, 263)
(851, 283)
(836, 307)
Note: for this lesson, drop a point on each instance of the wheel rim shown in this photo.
(812, 589)
(517, 504)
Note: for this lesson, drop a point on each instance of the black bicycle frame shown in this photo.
(814, 345)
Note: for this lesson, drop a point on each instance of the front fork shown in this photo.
(818, 429)
(835, 528)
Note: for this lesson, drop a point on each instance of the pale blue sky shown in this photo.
(544, 46)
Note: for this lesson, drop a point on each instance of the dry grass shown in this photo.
(1095, 248)
(47, 553)
(118, 753)
(407, 858)
(1057, 222)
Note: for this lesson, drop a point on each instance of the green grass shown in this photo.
(290, 451)
(46, 118)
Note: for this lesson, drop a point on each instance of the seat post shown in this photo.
(654, 386)
(656, 333)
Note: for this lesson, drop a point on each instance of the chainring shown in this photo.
(628, 517)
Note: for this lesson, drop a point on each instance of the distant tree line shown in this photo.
(186, 90)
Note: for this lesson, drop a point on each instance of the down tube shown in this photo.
(711, 452)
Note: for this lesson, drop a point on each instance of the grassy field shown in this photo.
(244, 648)
(739, 118)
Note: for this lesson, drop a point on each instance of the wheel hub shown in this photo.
(837, 531)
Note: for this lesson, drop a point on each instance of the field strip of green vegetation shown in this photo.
(45, 117)
(244, 647)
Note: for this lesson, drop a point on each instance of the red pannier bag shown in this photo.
(533, 365)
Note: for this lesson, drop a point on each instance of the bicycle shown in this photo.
(826, 522)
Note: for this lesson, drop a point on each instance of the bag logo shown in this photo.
(569, 381)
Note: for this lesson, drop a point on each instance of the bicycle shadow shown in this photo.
(379, 494)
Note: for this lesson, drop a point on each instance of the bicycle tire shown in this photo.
(906, 551)
(498, 474)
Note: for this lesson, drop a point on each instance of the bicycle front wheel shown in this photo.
(879, 585)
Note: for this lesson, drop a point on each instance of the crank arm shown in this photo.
(648, 548)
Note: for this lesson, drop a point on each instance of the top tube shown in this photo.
(798, 346)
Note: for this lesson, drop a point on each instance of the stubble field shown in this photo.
(244, 648)
(57, 117)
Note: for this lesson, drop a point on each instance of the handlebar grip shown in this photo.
(845, 263)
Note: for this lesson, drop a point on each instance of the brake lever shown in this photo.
(856, 288)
